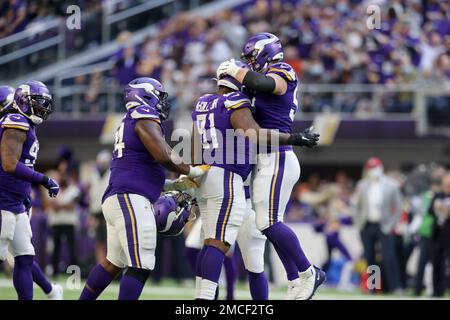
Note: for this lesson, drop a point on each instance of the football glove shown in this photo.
(52, 186)
(198, 171)
(306, 138)
(183, 183)
(228, 67)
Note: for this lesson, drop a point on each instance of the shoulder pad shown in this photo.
(237, 100)
(284, 70)
(15, 121)
(145, 112)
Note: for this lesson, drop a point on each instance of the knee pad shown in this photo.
(262, 221)
(139, 274)
(7, 226)
(3, 249)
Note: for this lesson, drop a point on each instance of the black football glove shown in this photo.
(306, 138)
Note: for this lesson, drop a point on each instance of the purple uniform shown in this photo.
(14, 191)
(133, 169)
(278, 111)
(211, 118)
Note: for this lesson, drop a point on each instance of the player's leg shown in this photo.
(104, 272)
(7, 227)
(252, 244)
(229, 265)
(271, 190)
(222, 216)
(262, 178)
(138, 239)
(23, 252)
(283, 170)
(53, 291)
(196, 240)
(194, 244)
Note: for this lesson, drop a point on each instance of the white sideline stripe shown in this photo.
(241, 294)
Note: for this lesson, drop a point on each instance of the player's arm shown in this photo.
(151, 136)
(270, 83)
(243, 119)
(11, 150)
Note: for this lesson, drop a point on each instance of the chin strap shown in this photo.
(35, 119)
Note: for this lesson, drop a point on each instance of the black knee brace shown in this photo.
(139, 274)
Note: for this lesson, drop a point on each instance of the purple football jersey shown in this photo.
(277, 111)
(221, 146)
(133, 169)
(14, 191)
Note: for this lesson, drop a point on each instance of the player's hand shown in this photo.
(228, 67)
(305, 139)
(52, 186)
(184, 183)
(198, 171)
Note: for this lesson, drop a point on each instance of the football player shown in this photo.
(137, 179)
(18, 152)
(53, 291)
(275, 86)
(221, 195)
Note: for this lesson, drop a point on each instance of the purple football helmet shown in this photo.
(262, 49)
(33, 100)
(6, 99)
(172, 211)
(230, 82)
(149, 92)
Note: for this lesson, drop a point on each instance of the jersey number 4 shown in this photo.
(201, 127)
(119, 145)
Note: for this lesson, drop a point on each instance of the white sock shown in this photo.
(294, 283)
(208, 291)
(307, 273)
(198, 287)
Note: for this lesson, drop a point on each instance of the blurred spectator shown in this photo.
(423, 225)
(13, 17)
(63, 219)
(94, 99)
(125, 65)
(95, 177)
(440, 210)
(378, 205)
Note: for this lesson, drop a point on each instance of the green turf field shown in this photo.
(170, 290)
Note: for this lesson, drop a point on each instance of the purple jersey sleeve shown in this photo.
(283, 70)
(237, 100)
(15, 121)
(145, 112)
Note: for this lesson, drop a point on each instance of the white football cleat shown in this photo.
(291, 292)
(306, 285)
(57, 292)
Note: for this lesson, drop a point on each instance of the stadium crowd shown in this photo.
(326, 42)
(71, 230)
